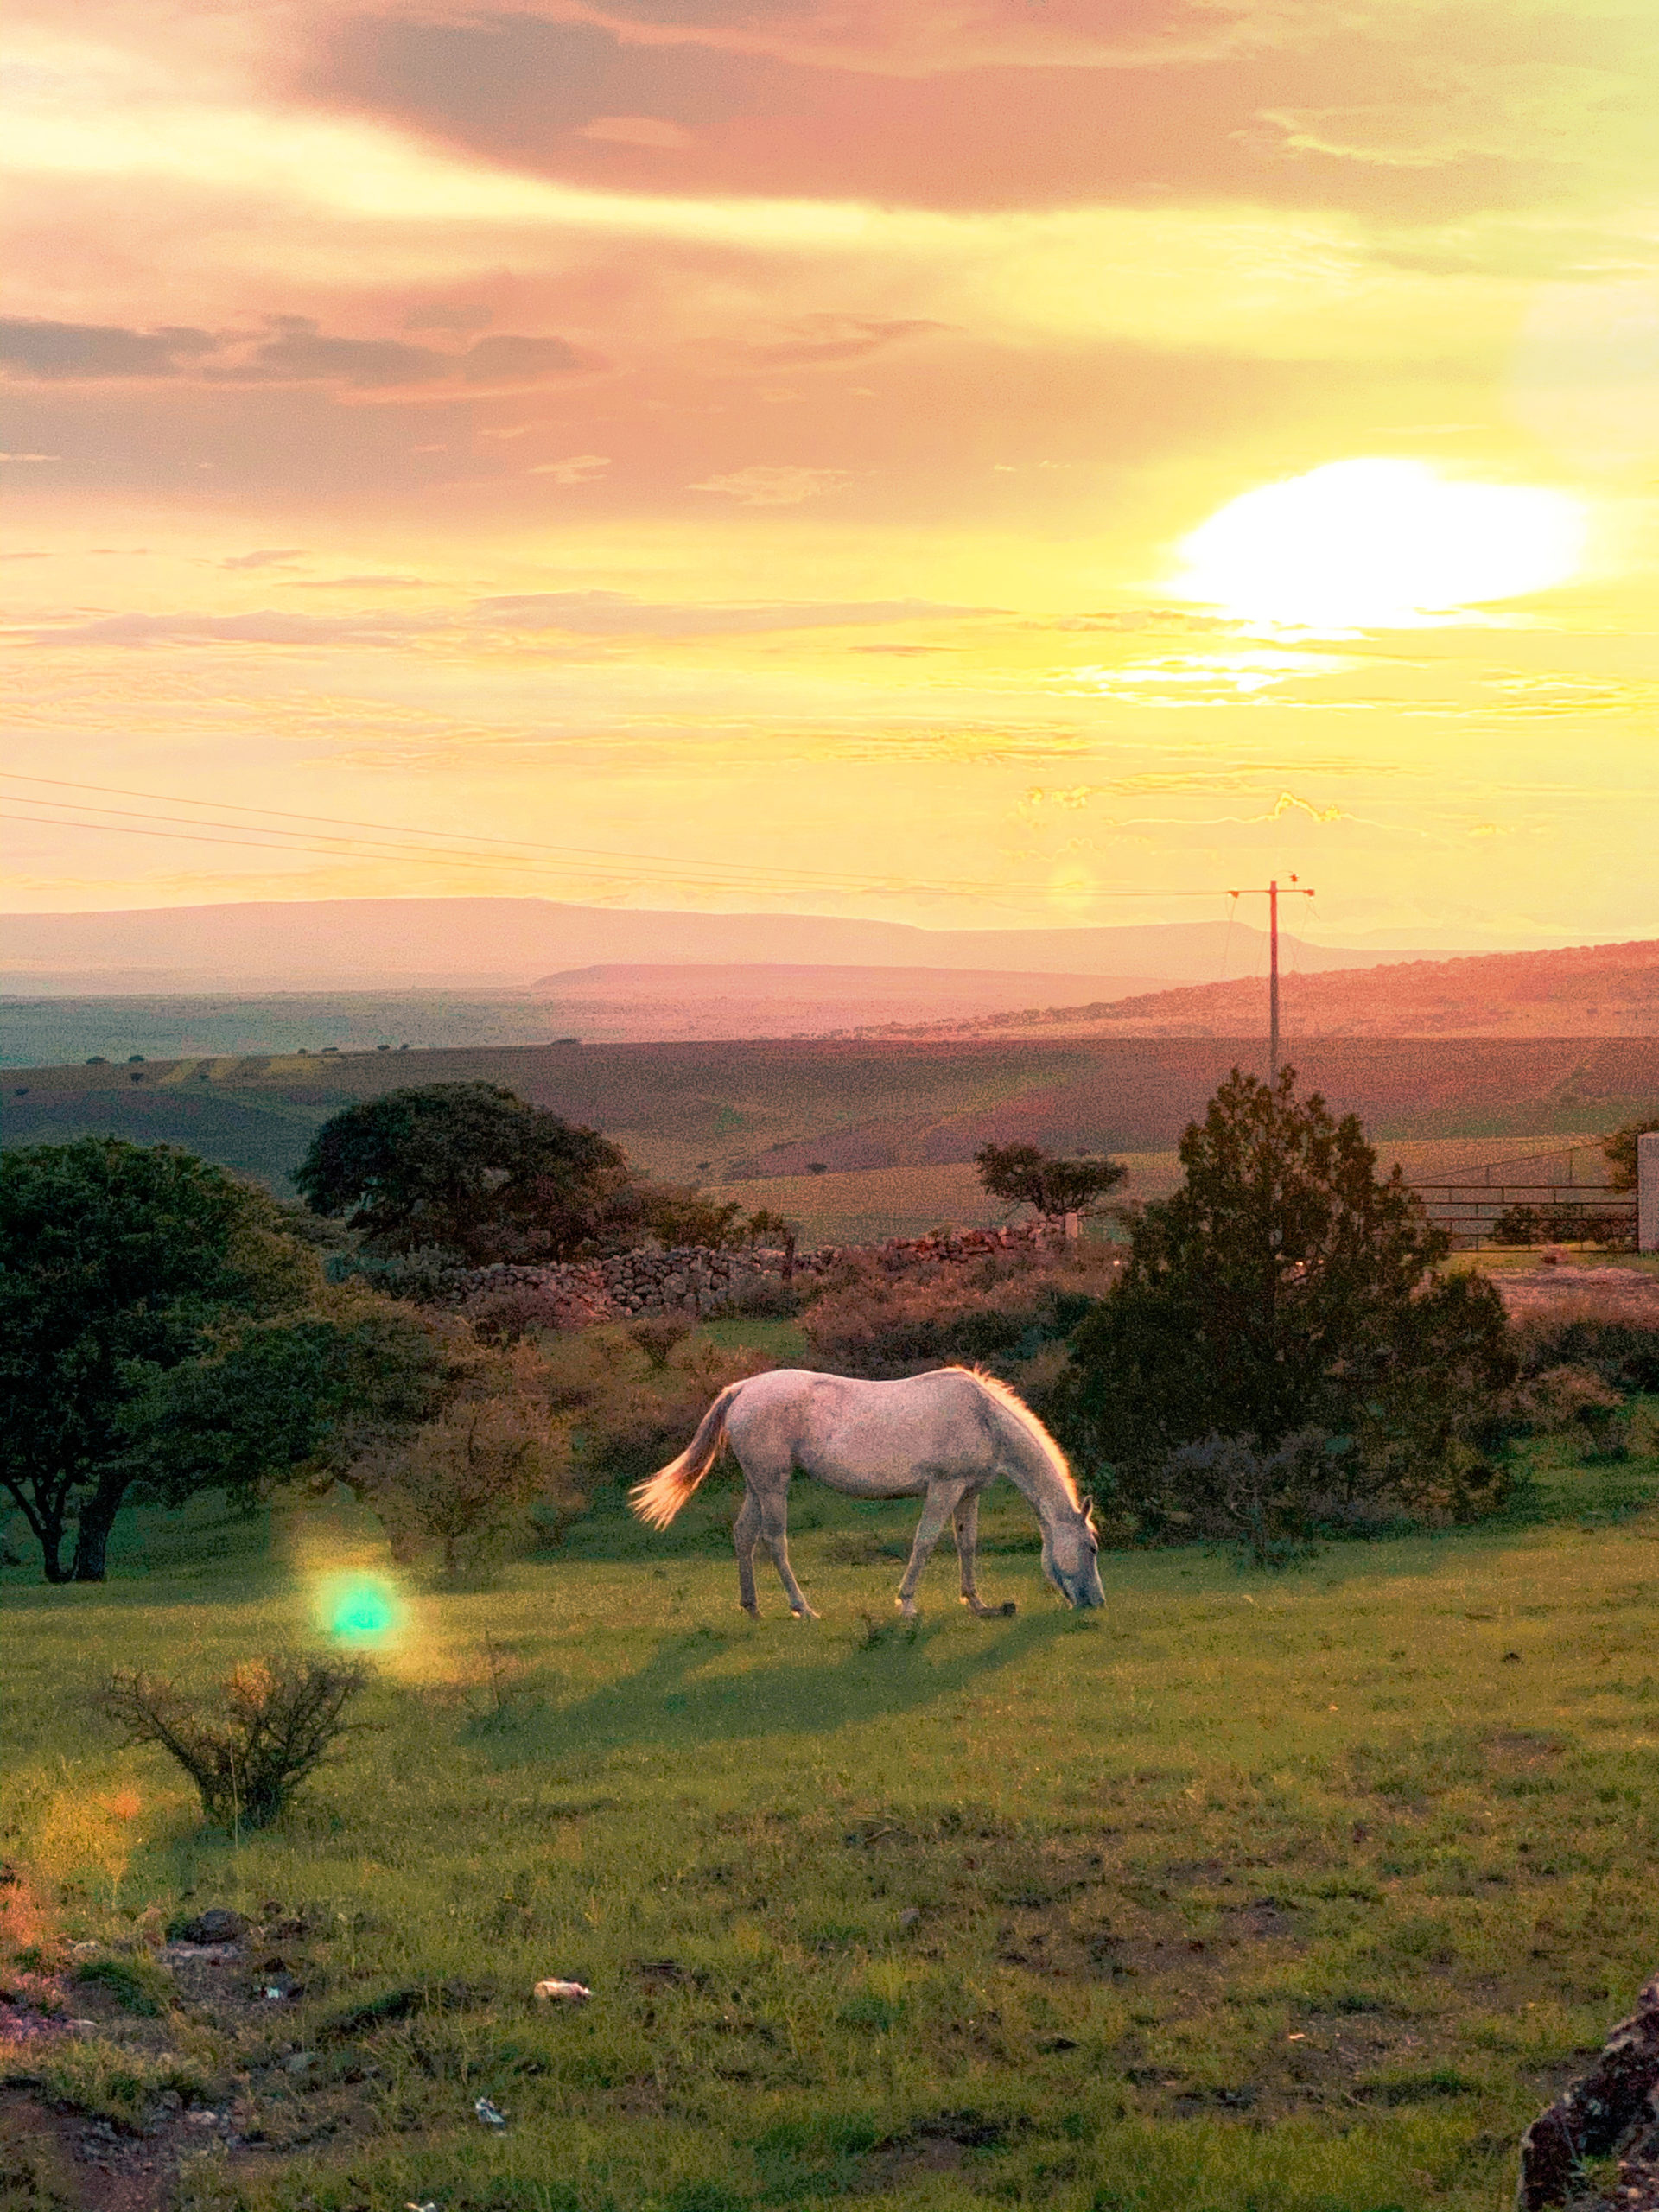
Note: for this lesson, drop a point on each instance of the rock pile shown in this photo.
(1612, 2112)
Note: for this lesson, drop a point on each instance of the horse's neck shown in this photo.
(1031, 1470)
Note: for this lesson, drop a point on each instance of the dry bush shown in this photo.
(459, 1482)
(657, 1334)
(997, 1311)
(633, 1424)
(1575, 1402)
(273, 1724)
(507, 1316)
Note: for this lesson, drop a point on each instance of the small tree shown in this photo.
(1619, 1150)
(465, 1166)
(458, 1481)
(1284, 1287)
(1024, 1174)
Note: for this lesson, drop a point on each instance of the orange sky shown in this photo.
(761, 435)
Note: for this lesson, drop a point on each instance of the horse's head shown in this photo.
(1069, 1561)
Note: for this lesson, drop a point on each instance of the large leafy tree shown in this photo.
(1285, 1286)
(118, 1264)
(467, 1166)
(1024, 1174)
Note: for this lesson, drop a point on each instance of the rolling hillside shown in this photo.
(730, 1112)
(1589, 991)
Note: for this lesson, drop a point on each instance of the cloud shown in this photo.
(294, 350)
(759, 486)
(268, 557)
(611, 614)
(580, 468)
(267, 626)
(299, 351)
(61, 351)
(649, 131)
(31, 456)
(577, 613)
(462, 320)
(834, 338)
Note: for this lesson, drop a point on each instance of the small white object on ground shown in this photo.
(555, 1993)
(489, 2113)
(910, 1916)
(430, 2205)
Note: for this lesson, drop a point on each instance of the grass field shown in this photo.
(1254, 1893)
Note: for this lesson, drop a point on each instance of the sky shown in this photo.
(973, 462)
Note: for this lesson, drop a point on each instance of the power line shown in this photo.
(394, 841)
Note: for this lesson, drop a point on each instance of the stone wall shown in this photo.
(696, 1281)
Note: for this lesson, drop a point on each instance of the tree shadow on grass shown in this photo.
(670, 1701)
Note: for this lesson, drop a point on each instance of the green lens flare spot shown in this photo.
(360, 1610)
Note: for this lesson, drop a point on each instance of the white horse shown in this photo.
(947, 1435)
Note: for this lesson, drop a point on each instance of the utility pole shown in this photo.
(1273, 892)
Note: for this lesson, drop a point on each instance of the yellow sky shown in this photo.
(780, 445)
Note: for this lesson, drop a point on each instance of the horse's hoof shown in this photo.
(1008, 1610)
(804, 1613)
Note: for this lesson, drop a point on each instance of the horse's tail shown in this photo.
(660, 1497)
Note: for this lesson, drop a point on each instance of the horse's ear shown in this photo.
(1089, 1513)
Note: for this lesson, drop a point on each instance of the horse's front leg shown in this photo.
(935, 1513)
(967, 1520)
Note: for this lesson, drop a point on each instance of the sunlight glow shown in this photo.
(1379, 543)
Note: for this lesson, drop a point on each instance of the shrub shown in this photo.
(1619, 1345)
(631, 1423)
(459, 1481)
(275, 1722)
(137, 1984)
(1619, 1150)
(657, 1334)
(997, 1311)
(1273, 1503)
(1565, 1224)
(1576, 1402)
(507, 1316)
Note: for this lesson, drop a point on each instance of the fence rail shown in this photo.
(1560, 1213)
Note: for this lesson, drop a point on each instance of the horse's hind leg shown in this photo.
(746, 1534)
(769, 1496)
(967, 1520)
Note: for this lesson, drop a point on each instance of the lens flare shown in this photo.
(360, 1609)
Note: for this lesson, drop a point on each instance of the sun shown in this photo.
(1378, 545)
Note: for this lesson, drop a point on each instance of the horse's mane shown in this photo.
(1012, 1403)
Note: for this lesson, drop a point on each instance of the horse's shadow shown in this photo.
(671, 1702)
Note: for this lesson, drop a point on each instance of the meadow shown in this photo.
(1295, 1892)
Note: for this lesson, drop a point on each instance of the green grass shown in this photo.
(1299, 1893)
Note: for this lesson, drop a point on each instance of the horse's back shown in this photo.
(883, 1437)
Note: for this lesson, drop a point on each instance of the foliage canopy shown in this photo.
(1619, 1150)
(118, 1263)
(468, 1167)
(1285, 1287)
(1024, 1174)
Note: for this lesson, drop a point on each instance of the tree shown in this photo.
(117, 1264)
(467, 1166)
(1619, 1150)
(1285, 1286)
(1024, 1174)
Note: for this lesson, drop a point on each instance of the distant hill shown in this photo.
(1587, 990)
(409, 943)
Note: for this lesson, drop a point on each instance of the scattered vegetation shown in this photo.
(274, 1722)
(1619, 1150)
